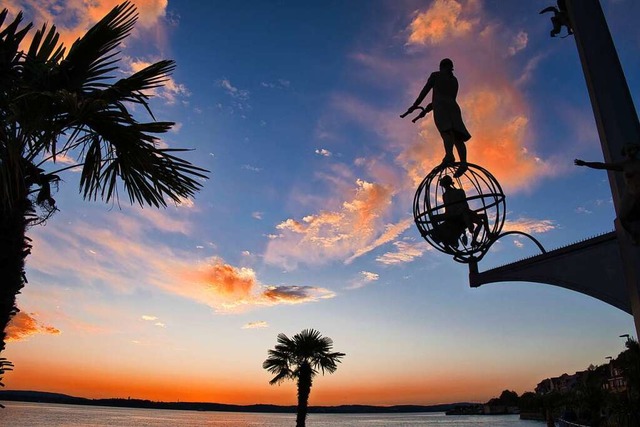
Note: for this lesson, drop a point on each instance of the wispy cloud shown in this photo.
(519, 42)
(404, 252)
(24, 325)
(391, 232)
(256, 325)
(251, 168)
(530, 225)
(278, 84)
(273, 295)
(229, 288)
(128, 256)
(355, 227)
(233, 91)
(239, 98)
(154, 319)
(368, 276)
(363, 279)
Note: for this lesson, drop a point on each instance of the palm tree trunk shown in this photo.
(304, 389)
(14, 248)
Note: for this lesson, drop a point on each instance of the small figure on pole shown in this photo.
(446, 113)
(559, 19)
(629, 211)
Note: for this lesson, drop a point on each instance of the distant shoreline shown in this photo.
(46, 397)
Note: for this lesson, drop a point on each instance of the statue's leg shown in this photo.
(461, 148)
(448, 138)
(481, 222)
(462, 153)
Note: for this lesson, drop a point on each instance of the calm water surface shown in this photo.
(19, 414)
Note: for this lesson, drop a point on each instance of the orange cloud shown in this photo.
(529, 225)
(356, 227)
(119, 251)
(229, 288)
(498, 118)
(391, 231)
(228, 281)
(23, 325)
(443, 20)
(494, 106)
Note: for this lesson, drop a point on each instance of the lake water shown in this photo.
(21, 414)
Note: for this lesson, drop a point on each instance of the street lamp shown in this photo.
(610, 367)
(625, 336)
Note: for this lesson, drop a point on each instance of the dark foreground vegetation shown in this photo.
(601, 396)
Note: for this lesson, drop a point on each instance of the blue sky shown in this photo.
(305, 221)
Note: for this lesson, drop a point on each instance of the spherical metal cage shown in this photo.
(463, 230)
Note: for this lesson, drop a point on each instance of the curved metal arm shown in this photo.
(524, 234)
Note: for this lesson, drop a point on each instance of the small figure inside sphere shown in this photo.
(446, 113)
(450, 227)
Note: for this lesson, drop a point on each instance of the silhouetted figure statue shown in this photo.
(457, 218)
(559, 19)
(446, 113)
(630, 203)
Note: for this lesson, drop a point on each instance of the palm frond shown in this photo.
(128, 154)
(44, 98)
(132, 89)
(47, 48)
(89, 59)
(10, 39)
(302, 355)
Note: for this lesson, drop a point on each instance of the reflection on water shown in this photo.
(21, 414)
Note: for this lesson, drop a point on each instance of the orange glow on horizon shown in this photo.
(327, 391)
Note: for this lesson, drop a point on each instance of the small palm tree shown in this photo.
(299, 358)
(54, 105)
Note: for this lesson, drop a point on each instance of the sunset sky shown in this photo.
(305, 220)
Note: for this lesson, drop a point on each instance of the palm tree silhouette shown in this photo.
(299, 358)
(55, 106)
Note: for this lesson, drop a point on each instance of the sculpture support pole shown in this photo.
(615, 115)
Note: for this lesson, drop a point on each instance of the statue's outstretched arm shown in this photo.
(599, 165)
(423, 93)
